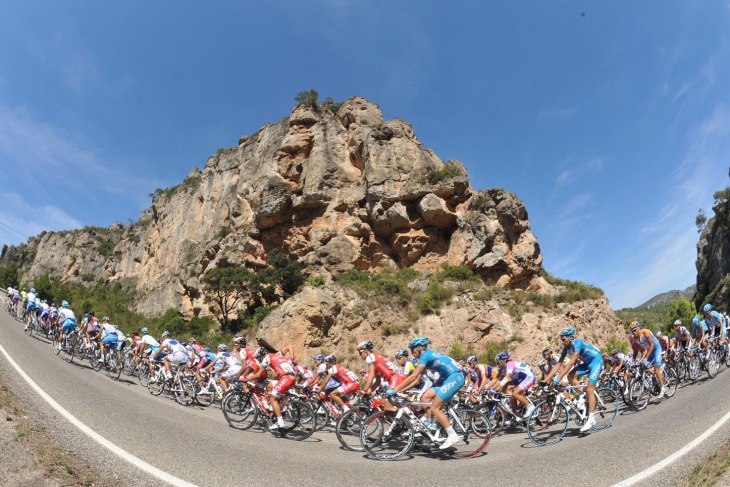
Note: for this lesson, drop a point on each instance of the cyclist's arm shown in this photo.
(412, 379)
(371, 378)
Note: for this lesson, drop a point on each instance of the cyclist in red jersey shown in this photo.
(350, 380)
(378, 367)
(285, 374)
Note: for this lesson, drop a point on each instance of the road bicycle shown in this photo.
(349, 424)
(181, 385)
(549, 421)
(388, 435)
(32, 325)
(243, 408)
(643, 385)
(210, 392)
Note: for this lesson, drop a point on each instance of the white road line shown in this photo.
(125, 455)
(644, 474)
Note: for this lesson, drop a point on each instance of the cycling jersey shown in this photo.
(228, 359)
(682, 334)
(343, 374)
(383, 367)
(486, 373)
(149, 340)
(586, 352)
(68, 318)
(699, 328)
(279, 364)
(438, 362)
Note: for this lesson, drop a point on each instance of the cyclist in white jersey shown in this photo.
(177, 354)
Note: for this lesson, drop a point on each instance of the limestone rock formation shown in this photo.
(713, 258)
(339, 190)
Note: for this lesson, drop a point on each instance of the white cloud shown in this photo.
(590, 168)
(20, 219)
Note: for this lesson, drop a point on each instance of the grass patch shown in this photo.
(710, 470)
(450, 170)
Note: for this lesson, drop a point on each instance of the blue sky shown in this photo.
(611, 120)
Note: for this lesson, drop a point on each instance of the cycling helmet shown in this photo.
(568, 332)
(418, 341)
(363, 371)
(105, 319)
(695, 320)
(135, 333)
(240, 341)
(502, 356)
(547, 350)
(167, 334)
(207, 348)
(261, 352)
(678, 323)
(366, 345)
(64, 303)
(634, 325)
(542, 363)
(192, 341)
(222, 347)
(145, 330)
(471, 359)
(32, 290)
(659, 334)
(319, 357)
(330, 359)
(53, 304)
(705, 309)
(615, 351)
(86, 315)
(401, 353)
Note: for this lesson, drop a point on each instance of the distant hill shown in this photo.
(668, 296)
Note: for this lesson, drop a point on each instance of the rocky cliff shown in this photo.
(713, 257)
(339, 188)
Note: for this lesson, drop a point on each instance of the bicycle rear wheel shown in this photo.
(69, 349)
(29, 329)
(156, 383)
(129, 364)
(475, 431)
(113, 367)
(206, 395)
(547, 425)
(385, 437)
(348, 428)
(239, 410)
(184, 391)
(606, 412)
(639, 393)
(713, 366)
(671, 382)
(299, 419)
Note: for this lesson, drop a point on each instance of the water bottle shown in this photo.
(582, 402)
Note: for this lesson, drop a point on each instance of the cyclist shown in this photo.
(485, 375)
(652, 352)
(380, 369)
(68, 319)
(349, 380)
(198, 358)
(682, 336)
(121, 343)
(285, 373)
(590, 363)
(449, 382)
(45, 310)
(404, 366)
(522, 378)
(715, 323)
(30, 307)
(177, 354)
(621, 361)
(109, 338)
(229, 366)
(321, 371)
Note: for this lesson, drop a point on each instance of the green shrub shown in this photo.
(450, 170)
(106, 248)
(457, 273)
(434, 297)
(388, 329)
(317, 281)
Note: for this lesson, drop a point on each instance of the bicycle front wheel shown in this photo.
(671, 382)
(475, 431)
(385, 437)
(70, 348)
(348, 428)
(607, 403)
(713, 366)
(694, 367)
(239, 410)
(206, 395)
(639, 393)
(547, 425)
(184, 391)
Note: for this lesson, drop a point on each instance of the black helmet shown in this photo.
(261, 352)
(330, 359)
(240, 341)
(366, 345)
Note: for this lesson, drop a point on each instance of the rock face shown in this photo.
(713, 259)
(336, 319)
(339, 190)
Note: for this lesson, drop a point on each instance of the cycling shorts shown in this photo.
(527, 383)
(30, 307)
(202, 363)
(332, 385)
(111, 340)
(232, 372)
(348, 388)
(656, 357)
(152, 351)
(121, 344)
(593, 369)
(282, 385)
(449, 386)
(44, 314)
(68, 326)
(178, 358)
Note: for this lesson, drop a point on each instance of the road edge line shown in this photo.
(674, 456)
(120, 452)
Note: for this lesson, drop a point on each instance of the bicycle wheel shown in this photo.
(671, 382)
(143, 374)
(606, 408)
(475, 431)
(547, 425)
(239, 410)
(713, 365)
(496, 419)
(206, 395)
(348, 428)
(383, 436)
(54, 343)
(29, 329)
(694, 367)
(184, 391)
(156, 383)
(323, 413)
(70, 348)
(300, 422)
(639, 393)
(682, 367)
(129, 364)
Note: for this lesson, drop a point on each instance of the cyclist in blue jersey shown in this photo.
(449, 382)
(587, 359)
(699, 329)
(715, 323)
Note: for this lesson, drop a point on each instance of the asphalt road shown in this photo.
(196, 444)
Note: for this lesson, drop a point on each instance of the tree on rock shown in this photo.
(307, 97)
(226, 287)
